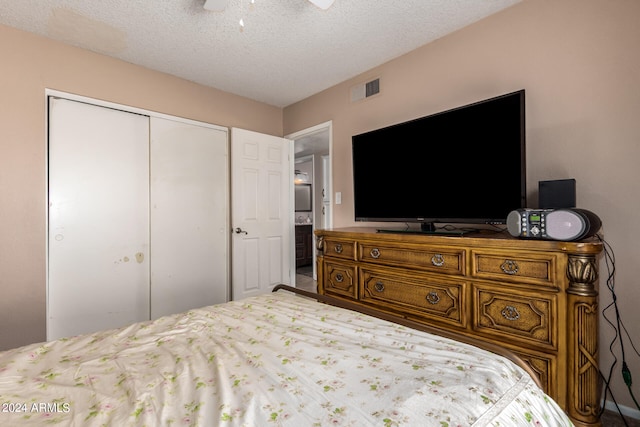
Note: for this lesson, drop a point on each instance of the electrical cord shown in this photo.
(618, 326)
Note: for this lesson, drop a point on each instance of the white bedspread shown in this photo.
(272, 360)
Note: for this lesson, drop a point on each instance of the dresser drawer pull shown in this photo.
(339, 278)
(510, 267)
(338, 248)
(379, 286)
(437, 260)
(375, 253)
(510, 313)
(433, 298)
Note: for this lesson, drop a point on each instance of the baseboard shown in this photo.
(624, 410)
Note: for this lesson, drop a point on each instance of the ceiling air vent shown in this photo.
(365, 90)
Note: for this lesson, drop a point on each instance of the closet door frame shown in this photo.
(129, 109)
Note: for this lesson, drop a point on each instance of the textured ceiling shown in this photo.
(287, 50)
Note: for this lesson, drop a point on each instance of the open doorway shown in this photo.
(312, 151)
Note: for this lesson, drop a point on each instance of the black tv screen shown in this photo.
(465, 165)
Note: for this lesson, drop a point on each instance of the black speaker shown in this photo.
(557, 194)
(553, 224)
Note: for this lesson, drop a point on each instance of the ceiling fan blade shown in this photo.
(216, 5)
(323, 4)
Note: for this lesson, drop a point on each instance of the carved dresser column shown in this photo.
(583, 400)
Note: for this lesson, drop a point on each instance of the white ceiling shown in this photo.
(287, 51)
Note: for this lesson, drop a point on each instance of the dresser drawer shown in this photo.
(449, 261)
(425, 296)
(343, 249)
(339, 279)
(516, 316)
(515, 267)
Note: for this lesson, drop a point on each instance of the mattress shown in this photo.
(271, 360)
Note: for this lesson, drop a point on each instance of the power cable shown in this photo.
(618, 327)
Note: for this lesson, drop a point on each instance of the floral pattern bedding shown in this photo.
(271, 360)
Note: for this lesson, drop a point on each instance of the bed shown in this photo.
(280, 359)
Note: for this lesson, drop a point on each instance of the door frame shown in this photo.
(328, 126)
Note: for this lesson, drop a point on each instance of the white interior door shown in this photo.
(262, 212)
(189, 216)
(98, 265)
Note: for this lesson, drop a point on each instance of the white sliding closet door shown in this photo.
(98, 218)
(189, 216)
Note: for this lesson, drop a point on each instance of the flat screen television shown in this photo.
(464, 165)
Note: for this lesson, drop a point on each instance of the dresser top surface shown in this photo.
(485, 238)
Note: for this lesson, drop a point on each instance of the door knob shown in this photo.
(239, 230)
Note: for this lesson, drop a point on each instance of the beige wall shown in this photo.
(29, 64)
(579, 62)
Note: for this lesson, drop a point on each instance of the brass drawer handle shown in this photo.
(510, 267)
(433, 297)
(375, 253)
(379, 286)
(339, 278)
(338, 248)
(510, 313)
(437, 260)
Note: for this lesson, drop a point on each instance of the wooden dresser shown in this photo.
(536, 298)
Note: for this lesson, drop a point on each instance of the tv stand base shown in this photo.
(428, 227)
